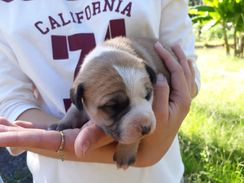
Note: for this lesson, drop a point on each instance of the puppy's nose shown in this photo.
(145, 130)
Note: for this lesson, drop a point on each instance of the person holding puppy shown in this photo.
(40, 55)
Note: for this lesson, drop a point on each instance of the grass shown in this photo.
(212, 136)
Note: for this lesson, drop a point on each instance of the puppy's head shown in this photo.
(116, 91)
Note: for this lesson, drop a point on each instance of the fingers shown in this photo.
(161, 97)
(8, 127)
(193, 83)
(171, 63)
(34, 138)
(184, 63)
(89, 137)
(178, 79)
(5, 128)
(4, 121)
(25, 124)
(38, 139)
(180, 94)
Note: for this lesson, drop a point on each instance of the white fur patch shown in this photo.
(96, 52)
(133, 79)
(141, 113)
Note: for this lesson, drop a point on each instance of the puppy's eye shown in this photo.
(148, 94)
(109, 107)
(110, 104)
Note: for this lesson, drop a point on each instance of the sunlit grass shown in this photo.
(212, 136)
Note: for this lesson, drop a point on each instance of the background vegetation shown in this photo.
(212, 136)
(227, 15)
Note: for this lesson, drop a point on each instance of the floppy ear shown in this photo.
(76, 94)
(151, 73)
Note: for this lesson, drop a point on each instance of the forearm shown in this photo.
(154, 147)
(46, 143)
(100, 153)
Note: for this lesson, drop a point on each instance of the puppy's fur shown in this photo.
(114, 88)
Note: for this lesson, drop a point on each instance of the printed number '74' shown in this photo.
(84, 42)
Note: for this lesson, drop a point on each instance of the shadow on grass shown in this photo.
(210, 162)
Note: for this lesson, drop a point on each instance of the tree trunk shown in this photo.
(241, 45)
(227, 47)
(235, 43)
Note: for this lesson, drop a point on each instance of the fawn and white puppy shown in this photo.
(114, 87)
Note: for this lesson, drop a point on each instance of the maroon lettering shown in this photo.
(127, 10)
(62, 19)
(84, 42)
(37, 25)
(7, 1)
(54, 24)
(116, 28)
(79, 16)
(96, 8)
(118, 6)
(59, 46)
(88, 12)
(72, 16)
(93, 9)
(108, 5)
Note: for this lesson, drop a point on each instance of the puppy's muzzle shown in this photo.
(135, 128)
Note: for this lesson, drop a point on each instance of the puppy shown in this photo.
(114, 88)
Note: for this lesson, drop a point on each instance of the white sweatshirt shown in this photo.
(42, 44)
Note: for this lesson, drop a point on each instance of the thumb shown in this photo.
(87, 139)
(161, 96)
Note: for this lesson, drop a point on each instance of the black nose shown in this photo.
(145, 130)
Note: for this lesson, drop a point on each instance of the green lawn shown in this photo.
(212, 136)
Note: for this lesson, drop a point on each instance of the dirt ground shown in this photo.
(14, 169)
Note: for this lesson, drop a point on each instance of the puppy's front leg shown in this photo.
(72, 119)
(125, 154)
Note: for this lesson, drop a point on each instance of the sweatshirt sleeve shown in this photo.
(176, 27)
(16, 89)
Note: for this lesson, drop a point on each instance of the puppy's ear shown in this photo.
(151, 73)
(76, 95)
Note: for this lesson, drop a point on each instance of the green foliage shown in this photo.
(212, 137)
(224, 12)
(219, 10)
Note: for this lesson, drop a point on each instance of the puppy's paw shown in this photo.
(59, 126)
(124, 160)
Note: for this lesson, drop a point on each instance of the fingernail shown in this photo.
(160, 78)
(190, 60)
(158, 45)
(84, 147)
(177, 43)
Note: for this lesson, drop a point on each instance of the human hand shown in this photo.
(90, 137)
(182, 85)
(25, 135)
(171, 104)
